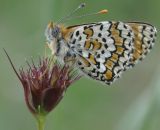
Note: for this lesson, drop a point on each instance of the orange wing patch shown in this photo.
(108, 75)
(96, 45)
(92, 45)
(120, 50)
(114, 57)
(116, 35)
(109, 64)
(138, 50)
(87, 44)
(66, 32)
(92, 59)
(89, 32)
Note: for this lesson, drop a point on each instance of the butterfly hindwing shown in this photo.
(104, 49)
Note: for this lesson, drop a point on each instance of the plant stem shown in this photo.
(41, 122)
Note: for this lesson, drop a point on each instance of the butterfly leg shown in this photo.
(70, 58)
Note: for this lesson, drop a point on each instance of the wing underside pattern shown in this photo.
(104, 50)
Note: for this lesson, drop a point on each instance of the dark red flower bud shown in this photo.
(45, 84)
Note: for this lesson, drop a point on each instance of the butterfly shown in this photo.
(101, 50)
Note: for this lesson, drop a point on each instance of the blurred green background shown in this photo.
(131, 103)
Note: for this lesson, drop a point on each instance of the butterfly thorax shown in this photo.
(57, 40)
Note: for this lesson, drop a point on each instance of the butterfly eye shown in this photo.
(51, 33)
(55, 31)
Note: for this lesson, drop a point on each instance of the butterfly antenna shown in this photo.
(85, 15)
(82, 5)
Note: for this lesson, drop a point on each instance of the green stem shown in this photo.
(41, 122)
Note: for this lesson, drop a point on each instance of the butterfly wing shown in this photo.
(144, 39)
(104, 50)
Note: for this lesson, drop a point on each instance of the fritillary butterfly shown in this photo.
(101, 50)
